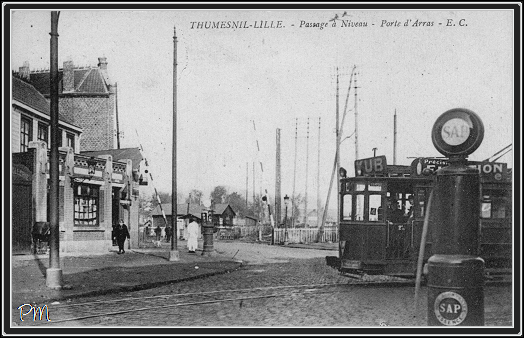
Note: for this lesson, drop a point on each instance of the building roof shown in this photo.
(181, 209)
(88, 80)
(27, 94)
(132, 154)
(219, 208)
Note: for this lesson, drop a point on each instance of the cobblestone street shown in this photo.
(274, 288)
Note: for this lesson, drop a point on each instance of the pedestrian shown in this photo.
(168, 233)
(121, 233)
(158, 231)
(192, 229)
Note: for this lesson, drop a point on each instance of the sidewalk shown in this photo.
(101, 274)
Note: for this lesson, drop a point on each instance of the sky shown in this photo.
(236, 86)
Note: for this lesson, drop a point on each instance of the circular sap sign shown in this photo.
(457, 132)
(450, 308)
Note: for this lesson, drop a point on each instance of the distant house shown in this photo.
(223, 214)
(251, 221)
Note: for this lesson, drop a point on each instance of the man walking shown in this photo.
(121, 234)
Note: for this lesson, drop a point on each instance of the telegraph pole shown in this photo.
(307, 160)
(318, 180)
(247, 182)
(173, 254)
(116, 113)
(54, 272)
(338, 156)
(395, 138)
(277, 181)
(356, 120)
(293, 201)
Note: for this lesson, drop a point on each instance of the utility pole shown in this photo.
(247, 182)
(54, 272)
(254, 194)
(338, 157)
(116, 112)
(318, 180)
(307, 165)
(356, 120)
(324, 216)
(395, 137)
(294, 177)
(173, 254)
(277, 181)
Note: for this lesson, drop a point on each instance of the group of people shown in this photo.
(395, 213)
(121, 232)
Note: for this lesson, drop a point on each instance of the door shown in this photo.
(398, 239)
(22, 217)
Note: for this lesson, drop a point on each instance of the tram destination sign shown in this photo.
(491, 171)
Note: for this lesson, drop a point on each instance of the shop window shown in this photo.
(86, 205)
(26, 133)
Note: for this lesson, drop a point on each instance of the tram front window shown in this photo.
(347, 208)
(359, 208)
(375, 208)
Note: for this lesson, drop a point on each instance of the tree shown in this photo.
(293, 214)
(165, 198)
(238, 203)
(218, 195)
(195, 197)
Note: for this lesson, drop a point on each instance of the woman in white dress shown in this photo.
(192, 229)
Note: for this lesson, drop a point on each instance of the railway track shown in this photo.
(85, 311)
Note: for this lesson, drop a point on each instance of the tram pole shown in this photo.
(455, 271)
(173, 254)
(54, 272)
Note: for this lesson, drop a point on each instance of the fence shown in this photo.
(307, 235)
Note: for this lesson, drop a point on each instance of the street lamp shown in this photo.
(286, 203)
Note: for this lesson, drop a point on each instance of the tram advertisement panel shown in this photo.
(490, 171)
(371, 166)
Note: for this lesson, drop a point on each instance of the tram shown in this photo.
(382, 212)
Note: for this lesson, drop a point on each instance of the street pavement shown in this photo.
(237, 265)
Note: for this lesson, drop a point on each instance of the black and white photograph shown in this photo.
(263, 169)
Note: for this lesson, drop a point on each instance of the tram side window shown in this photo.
(376, 211)
(347, 208)
(493, 204)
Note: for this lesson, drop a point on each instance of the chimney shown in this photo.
(68, 78)
(23, 71)
(102, 63)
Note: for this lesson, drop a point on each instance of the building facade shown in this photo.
(95, 189)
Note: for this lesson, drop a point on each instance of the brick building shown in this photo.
(86, 98)
(96, 187)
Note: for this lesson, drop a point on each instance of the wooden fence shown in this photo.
(307, 235)
(295, 235)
